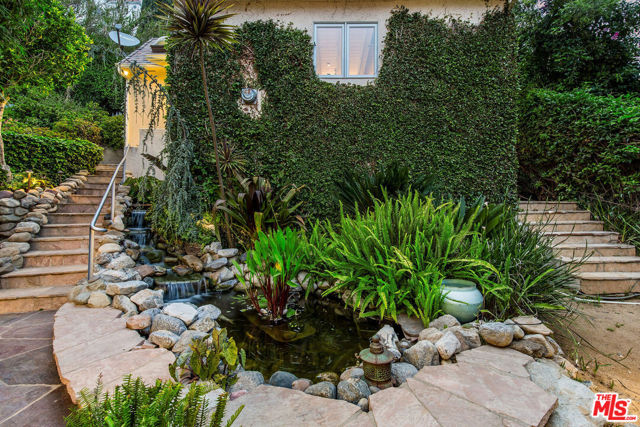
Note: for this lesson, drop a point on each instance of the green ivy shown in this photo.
(443, 105)
(573, 144)
(53, 158)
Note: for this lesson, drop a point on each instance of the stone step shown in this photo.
(95, 179)
(64, 275)
(585, 237)
(578, 250)
(56, 257)
(554, 215)
(609, 282)
(64, 230)
(608, 264)
(570, 226)
(90, 191)
(33, 299)
(89, 199)
(82, 207)
(59, 243)
(88, 186)
(536, 205)
(71, 218)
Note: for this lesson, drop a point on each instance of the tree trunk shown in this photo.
(215, 143)
(3, 164)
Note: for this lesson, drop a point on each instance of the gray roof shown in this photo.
(139, 56)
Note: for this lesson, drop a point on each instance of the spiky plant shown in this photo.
(200, 25)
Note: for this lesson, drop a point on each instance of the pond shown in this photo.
(317, 340)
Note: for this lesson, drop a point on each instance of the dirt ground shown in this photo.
(605, 347)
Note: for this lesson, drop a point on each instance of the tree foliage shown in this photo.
(566, 44)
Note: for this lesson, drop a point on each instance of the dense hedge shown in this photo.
(47, 156)
(444, 104)
(575, 143)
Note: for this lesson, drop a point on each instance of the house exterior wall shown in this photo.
(303, 15)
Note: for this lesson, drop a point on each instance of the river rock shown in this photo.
(182, 311)
(421, 354)
(21, 246)
(227, 285)
(496, 333)
(125, 305)
(20, 237)
(109, 248)
(169, 323)
(186, 339)
(9, 252)
(213, 248)
(146, 299)
(210, 310)
(126, 288)
(529, 347)
(468, 337)
(193, 262)
(518, 333)
(227, 253)
(139, 321)
(532, 325)
(145, 270)
(353, 372)
(430, 334)
(331, 377)
(444, 322)
(322, 389)
(216, 264)
(28, 226)
(448, 345)
(401, 371)
(411, 326)
(163, 338)
(282, 379)
(121, 262)
(9, 203)
(549, 349)
(352, 390)
(181, 270)
(204, 323)
(389, 340)
(98, 299)
(247, 380)
(301, 384)
(119, 275)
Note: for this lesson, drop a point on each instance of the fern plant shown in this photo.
(133, 403)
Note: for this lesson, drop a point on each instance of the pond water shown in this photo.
(317, 340)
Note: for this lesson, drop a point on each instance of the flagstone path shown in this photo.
(30, 390)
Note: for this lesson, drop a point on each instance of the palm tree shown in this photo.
(200, 26)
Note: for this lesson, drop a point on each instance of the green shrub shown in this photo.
(443, 104)
(77, 128)
(575, 143)
(163, 404)
(53, 158)
(623, 218)
(142, 189)
(113, 131)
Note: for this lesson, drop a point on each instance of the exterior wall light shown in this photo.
(249, 96)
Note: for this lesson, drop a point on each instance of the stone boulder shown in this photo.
(125, 305)
(282, 379)
(532, 325)
(147, 299)
(227, 253)
(182, 311)
(421, 354)
(389, 339)
(168, 323)
(186, 339)
(402, 371)
(448, 345)
(109, 248)
(468, 337)
(496, 333)
(430, 334)
(322, 389)
(121, 262)
(193, 262)
(247, 380)
(353, 372)
(352, 390)
(98, 299)
(216, 264)
(163, 338)
(126, 288)
(444, 322)
(139, 321)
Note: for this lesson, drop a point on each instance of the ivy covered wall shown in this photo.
(443, 104)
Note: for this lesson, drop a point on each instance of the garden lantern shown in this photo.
(377, 364)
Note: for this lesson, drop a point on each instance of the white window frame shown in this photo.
(345, 48)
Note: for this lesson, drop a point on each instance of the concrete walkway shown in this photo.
(30, 390)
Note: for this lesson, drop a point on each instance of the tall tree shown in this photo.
(199, 25)
(41, 46)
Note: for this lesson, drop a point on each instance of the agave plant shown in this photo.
(200, 25)
(258, 207)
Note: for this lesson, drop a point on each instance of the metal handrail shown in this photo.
(92, 227)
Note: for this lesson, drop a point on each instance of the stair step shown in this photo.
(59, 243)
(33, 299)
(554, 215)
(570, 226)
(578, 250)
(537, 205)
(609, 282)
(62, 275)
(82, 207)
(71, 218)
(55, 257)
(95, 179)
(64, 230)
(585, 237)
(90, 199)
(90, 191)
(90, 186)
(609, 264)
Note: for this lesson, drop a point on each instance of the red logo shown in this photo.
(615, 410)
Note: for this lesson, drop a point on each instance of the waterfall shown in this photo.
(179, 288)
(137, 230)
